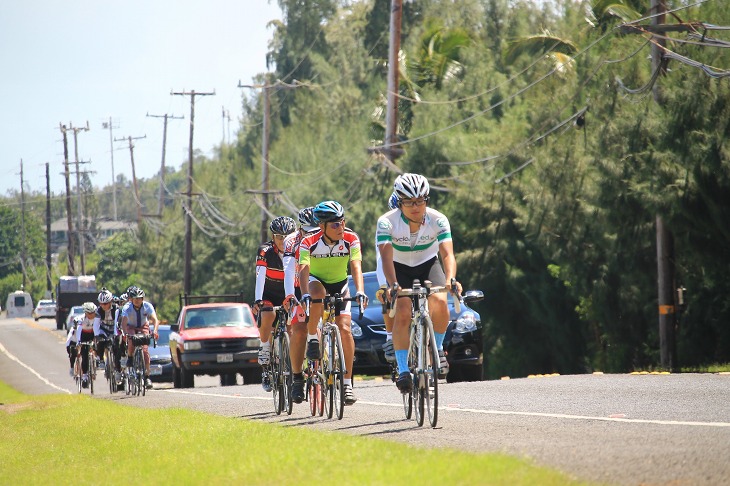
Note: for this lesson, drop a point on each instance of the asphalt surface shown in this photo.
(612, 429)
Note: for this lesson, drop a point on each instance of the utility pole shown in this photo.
(391, 114)
(110, 127)
(22, 224)
(162, 167)
(81, 226)
(71, 247)
(49, 285)
(664, 237)
(226, 117)
(188, 220)
(134, 174)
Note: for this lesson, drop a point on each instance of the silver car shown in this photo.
(76, 311)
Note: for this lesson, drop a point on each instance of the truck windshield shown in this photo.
(229, 316)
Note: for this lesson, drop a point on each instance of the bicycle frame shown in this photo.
(78, 371)
(279, 367)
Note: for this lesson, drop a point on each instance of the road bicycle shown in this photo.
(423, 357)
(109, 363)
(332, 369)
(279, 367)
(133, 376)
(78, 370)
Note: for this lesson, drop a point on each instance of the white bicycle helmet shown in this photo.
(89, 307)
(411, 186)
(105, 296)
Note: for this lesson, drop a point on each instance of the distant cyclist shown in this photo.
(388, 349)
(85, 334)
(137, 317)
(71, 344)
(324, 258)
(270, 285)
(293, 293)
(411, 239)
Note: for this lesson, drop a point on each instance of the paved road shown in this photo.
(615, 429)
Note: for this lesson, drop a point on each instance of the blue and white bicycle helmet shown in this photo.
(283, 225)
(393, 201)
(411, 186)
(328, 211)
(306, 219)
(105, 296)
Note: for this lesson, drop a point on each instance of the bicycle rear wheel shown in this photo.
(338, 362)
(286, 373)
(430, 374)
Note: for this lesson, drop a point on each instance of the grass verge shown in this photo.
(64, 439)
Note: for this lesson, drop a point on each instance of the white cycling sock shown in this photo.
(388, 336)
(347, 381)
(311, 336)
(266, 345)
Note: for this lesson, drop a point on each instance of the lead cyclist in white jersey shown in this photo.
(410, 239)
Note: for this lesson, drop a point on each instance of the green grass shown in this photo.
(713, 368)
(64, 439)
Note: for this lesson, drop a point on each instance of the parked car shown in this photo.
(160, 359)
(463, 342)
(214, 339)
(75, 311)
(45, 308)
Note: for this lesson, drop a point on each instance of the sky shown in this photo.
(91, 60)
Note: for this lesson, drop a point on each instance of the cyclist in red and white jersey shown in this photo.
(269, 289)
(293, 293)
(324, 258)
(411, 238)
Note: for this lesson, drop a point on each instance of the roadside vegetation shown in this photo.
(61, 439)
(536, 124)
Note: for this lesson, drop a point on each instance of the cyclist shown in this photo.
(388, 349)
(137, 316)
(104, 324)
(411, 239)
(270, 285)
(85, 334)
(293, 293)
(323, 261)
(71, 345)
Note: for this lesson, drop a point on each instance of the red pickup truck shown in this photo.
(218, 338)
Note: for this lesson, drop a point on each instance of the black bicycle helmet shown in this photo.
(283, 225)
(306, 219)
(328, 211)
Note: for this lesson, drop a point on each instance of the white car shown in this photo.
(45, 308)
(76, 311)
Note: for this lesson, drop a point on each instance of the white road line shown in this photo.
(497, 412)
(12, 357)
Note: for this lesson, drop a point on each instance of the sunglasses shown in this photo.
(409, 203)
(337, 224)
(279, 237)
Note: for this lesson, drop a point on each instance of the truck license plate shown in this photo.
(225, 358)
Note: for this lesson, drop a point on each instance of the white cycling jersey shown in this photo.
(413, 249)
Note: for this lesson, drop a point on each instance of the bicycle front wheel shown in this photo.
(109, 369)
(313, 387)
(92, 371)
(431, 374)
(329, 381)
(139, 371)
(285, 372)
(338, 362)
(415, 358)
(77, 372)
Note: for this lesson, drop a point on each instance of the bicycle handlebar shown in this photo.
(424, 291)
(329, 300)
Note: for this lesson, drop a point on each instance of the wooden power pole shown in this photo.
(391, 114)
(49, 285)
(134, 174)
(70, 247)
(187, 281)
(162, 166)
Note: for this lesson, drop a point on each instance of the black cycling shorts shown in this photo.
(430, 270)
